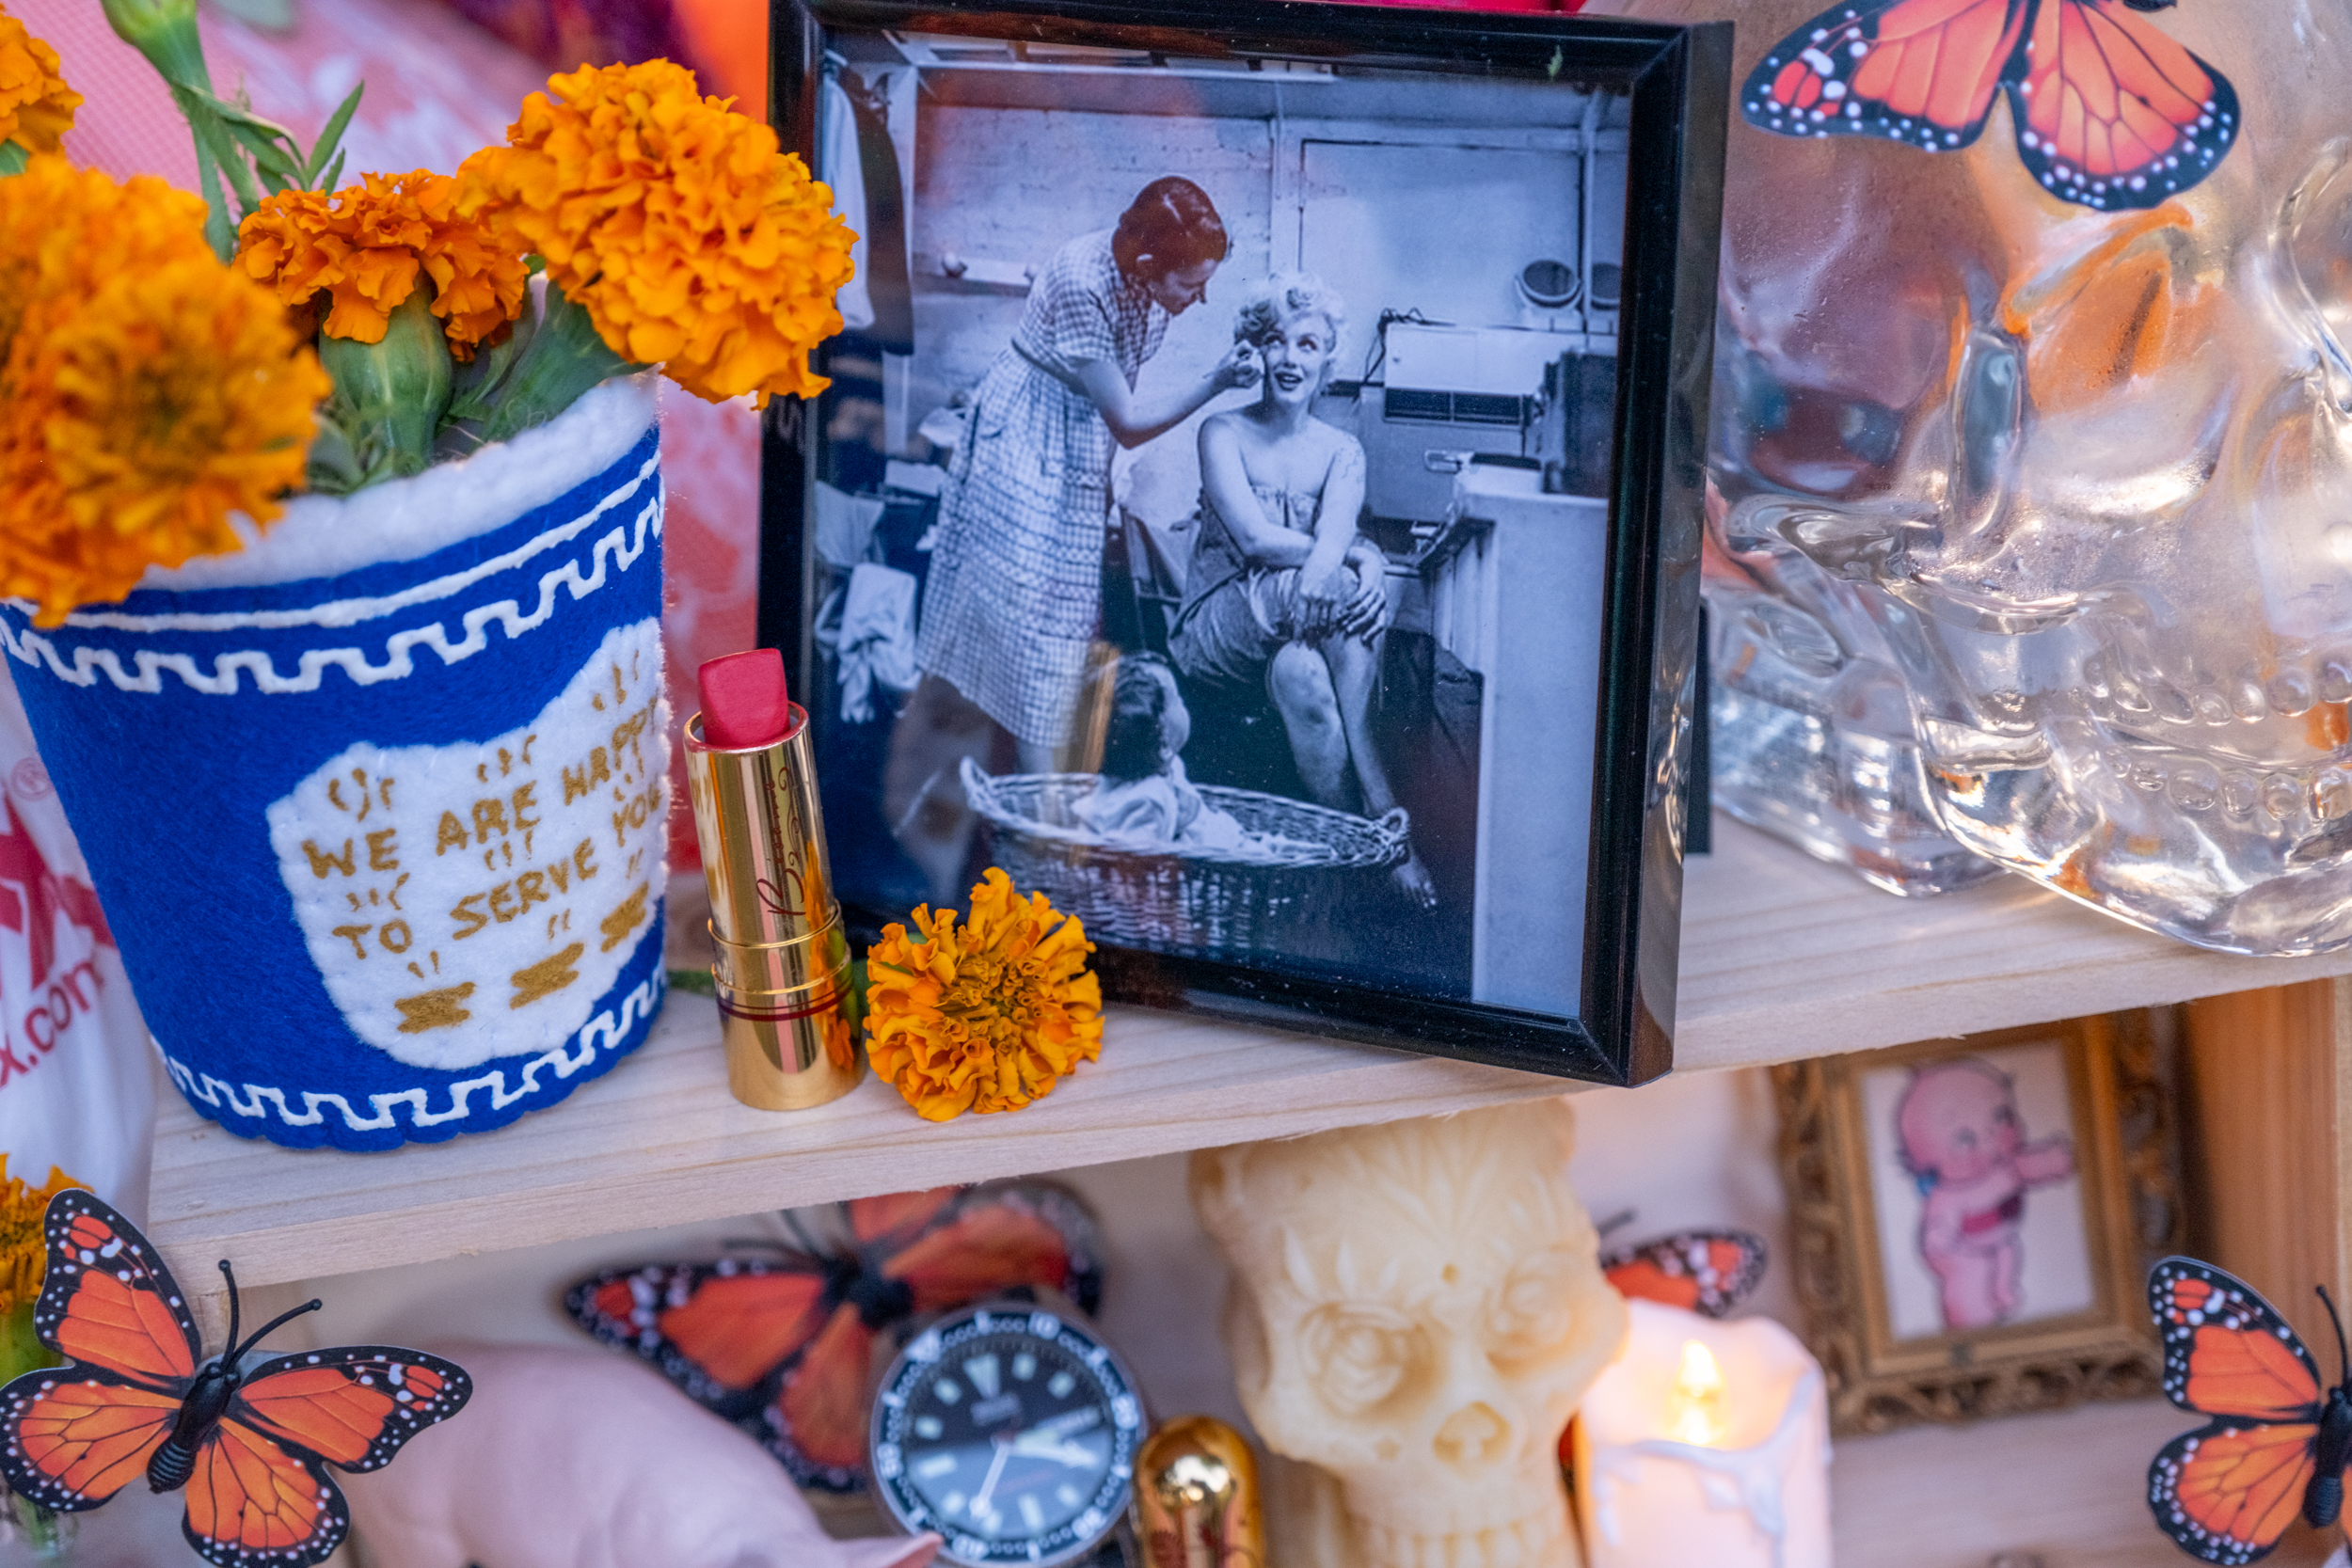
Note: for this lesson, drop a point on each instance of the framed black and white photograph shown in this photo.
(1258, 498)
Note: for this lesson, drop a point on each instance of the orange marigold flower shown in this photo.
(36, 106)
(45, 211)
(692, 242)
(148, 392)
(24, 1249)
(985, 1016)
(364, 246)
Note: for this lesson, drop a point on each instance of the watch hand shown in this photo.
(979, 1505)
(1039, 1444)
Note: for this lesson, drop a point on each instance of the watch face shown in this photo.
(1010, 1432)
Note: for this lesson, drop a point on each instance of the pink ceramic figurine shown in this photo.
(1962, 1139)
(581, 1459)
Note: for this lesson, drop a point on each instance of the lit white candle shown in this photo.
(1705, 1442)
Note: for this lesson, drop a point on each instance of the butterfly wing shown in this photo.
(2111, 113)
(718, 1331)
(892, 1221)
(73, 1438)
(1003, 1237)
(253, 1502)
(353, 1405)
(1709, 1271)
(1923, 72)
(816, 1426)
(2227, 1491)
(2227, 1351)
(109, 1302)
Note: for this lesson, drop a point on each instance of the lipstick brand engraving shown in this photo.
(477, 900)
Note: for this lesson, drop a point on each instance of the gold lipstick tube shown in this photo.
(1196, 1498)
(782, 963)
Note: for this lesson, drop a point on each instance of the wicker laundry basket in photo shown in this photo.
(1214, 903)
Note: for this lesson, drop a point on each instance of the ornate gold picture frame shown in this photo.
(1971, 1220)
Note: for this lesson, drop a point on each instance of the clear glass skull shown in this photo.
(2030, 536)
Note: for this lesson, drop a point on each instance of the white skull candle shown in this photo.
(2033, 448)
(1416, 1309)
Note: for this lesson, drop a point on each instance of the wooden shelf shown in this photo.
(2068, 1489)
(1782, 958)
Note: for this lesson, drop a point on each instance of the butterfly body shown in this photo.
(2108, 113)
(249, 1445)
(2323, 1500)
(206, 1402)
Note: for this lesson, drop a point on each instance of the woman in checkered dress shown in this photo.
(1014, 598)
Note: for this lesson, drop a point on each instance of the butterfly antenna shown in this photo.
(1617, 1221)
(2343, 1360)
(273, 1326)
(808, 1243)
(231, 1274)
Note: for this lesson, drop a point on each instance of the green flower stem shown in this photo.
(47, 1534)
(388, 401)
(165, 32)
(563, 360)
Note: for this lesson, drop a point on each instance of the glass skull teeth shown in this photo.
(2031, 532)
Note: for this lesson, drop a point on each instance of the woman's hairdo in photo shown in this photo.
(1172, 221)
(1133, 736)
(1282, 296)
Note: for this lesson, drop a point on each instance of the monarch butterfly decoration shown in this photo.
(1707, 1272)
(2109, 113)
(135, 1397)
(2279, 1439)
(783, 1345)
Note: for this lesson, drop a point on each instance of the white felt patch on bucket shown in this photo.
(473, 901)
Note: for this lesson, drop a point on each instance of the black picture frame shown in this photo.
(1676, 84)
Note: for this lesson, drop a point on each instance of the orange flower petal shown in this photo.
(986, 1017)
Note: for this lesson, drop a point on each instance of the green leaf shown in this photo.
(213, 137)
(330, 139)
(239, 113)
(277, 168)
(333, 174)
(12, 158)
(220, 231)
(698, 981)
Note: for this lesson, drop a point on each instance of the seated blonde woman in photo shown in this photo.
(1283, 591)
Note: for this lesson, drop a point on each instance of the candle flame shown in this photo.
(1697, 1406)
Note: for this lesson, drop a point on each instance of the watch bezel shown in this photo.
(895, 1487)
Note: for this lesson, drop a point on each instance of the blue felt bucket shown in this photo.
(381, 840)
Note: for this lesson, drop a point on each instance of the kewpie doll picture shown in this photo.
(1962, 1138)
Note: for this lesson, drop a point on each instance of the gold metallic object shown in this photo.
(1196, 1498)
(782, 963)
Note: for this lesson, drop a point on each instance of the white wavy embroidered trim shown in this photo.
(31, 647)
(642, 1002)
(347, 613)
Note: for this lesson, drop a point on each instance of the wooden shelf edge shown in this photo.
(657, 1142)
(1782, 958)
